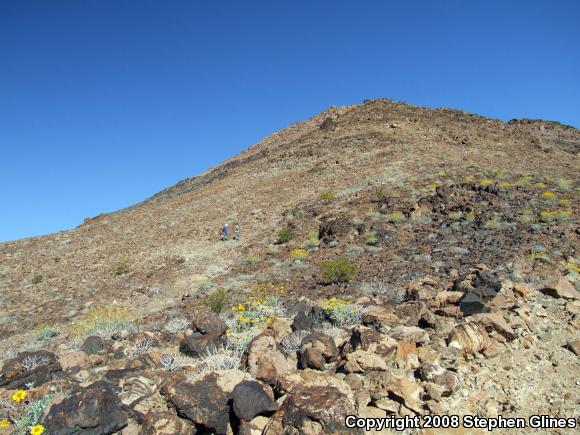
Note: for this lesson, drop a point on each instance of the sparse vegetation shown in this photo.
(391, 293)
(548, 195)
(371, 238)
(36, 279)
(396, 216)
(327, 196)
(284, 235)
(104, 322)
(217, 300)
(261, 303)
(563, 184)
(336, 271)
(299, 254)
(485, 182)
(293, 341)
(121, 266)
(312, 241)
(44, 332)
(341, 313)
(455, 215)
(176, 325)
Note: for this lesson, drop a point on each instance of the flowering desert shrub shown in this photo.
(299, 254)
(257, 309)
(341, 313)
(21, 415)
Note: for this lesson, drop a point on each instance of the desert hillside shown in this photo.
(393, 259)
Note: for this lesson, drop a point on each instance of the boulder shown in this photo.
(207, 322)
(202, 402)
(312, 410)
(495, 322)
(92, 411)
(560, 288)
(361, 361)
(469, 338)
(312, 358)
(378, 316)
(197, 344)
(295, 380)
(322, 342)
(29, 368)
(471, 303)
(92, 345)
(250, 399)
(263, 359)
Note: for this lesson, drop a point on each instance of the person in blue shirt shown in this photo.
(225, 232)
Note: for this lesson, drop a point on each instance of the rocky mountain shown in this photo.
(393, 260)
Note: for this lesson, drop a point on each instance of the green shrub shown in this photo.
(121, 266)
(371, 238)
(335, 271)
(341, 313)
(396, 216)
(327, 196)
(312, 241)
(36, 279)
(217, 300)
(284, 235)
(44, 331)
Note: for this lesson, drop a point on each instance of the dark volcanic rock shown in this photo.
(92, 345)
(207, 322)
(470, 303)
(312, 410)
(303, 322)
(92, 411)
(202, 402)
(250, 399)
(34, 368)
(197, 344)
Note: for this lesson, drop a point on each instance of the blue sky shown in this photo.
(103, 103)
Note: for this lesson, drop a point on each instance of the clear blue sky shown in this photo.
(103, 103)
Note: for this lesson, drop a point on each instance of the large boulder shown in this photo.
(251, 399)
(323, 343)
(440, 376)
(202, 402)
(312, 410)
(29, 368)
(264, 360)
(198, 344)
(361, 361)
(560, 288)
(207, 322)
(92, 345)
(93, 411)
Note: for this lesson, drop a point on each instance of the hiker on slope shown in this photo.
(225, 232)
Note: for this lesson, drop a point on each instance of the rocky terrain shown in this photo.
(394, 261)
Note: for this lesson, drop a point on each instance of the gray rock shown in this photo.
(250, 399)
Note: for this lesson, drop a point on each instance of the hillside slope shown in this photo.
(429, 206)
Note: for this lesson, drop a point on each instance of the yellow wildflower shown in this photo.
(37, 430)
(19, 396)
(4, 423)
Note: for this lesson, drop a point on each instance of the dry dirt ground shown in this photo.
(419, 199)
